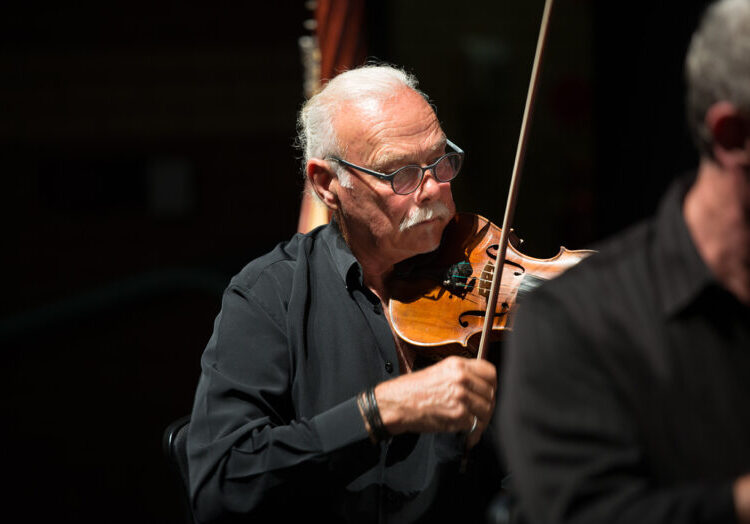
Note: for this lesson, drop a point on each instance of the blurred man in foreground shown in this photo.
(626, 387)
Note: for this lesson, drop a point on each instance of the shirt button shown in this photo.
(389, 366)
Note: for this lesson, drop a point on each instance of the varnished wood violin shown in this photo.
(439, 306)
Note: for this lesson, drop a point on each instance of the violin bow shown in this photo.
(515, 181)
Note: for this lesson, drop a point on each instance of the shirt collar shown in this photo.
(343, 260)
(681, 273)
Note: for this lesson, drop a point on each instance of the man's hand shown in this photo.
(444, 397)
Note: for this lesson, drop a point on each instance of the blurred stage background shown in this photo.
(147, 155)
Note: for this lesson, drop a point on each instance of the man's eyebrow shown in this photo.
(396, 160)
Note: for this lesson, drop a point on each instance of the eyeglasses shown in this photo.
(408, 178)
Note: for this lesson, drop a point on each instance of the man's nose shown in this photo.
(429, 188)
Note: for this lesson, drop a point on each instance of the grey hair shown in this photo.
(717, 66)
(316, 135)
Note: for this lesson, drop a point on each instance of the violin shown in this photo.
(439, 305)
(443, 309)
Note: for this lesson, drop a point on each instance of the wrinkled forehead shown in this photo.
(401, 124)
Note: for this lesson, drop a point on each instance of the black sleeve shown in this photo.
(246, 446)
(571, 447)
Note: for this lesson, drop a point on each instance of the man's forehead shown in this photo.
(364, 108)
(371, 110)
(403, 126)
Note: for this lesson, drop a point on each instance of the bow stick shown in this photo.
(515, 181)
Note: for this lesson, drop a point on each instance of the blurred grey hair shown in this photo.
(316, 136)
(717, 66)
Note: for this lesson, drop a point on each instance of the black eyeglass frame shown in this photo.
(390, 177)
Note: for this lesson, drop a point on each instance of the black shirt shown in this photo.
(275, 430)
(626, 385)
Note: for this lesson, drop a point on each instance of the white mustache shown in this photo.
(422, 214)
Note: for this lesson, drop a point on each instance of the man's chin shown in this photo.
(426, 236)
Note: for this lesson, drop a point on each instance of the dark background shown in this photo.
(146, 155)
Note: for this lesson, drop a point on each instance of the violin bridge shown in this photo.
(485, 280)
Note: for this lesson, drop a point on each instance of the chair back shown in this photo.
(174, 445)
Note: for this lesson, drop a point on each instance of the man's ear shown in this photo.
(323, 182)
(729, 128)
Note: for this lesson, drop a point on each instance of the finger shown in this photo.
(482, 388)
(473, 437)
(483, 369)
(477, 376)
(480, 407)
(480, 385)
(480, 367)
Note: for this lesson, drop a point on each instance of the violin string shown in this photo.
(482, 281)
(474, 300)
(478, 279)
(481, 302)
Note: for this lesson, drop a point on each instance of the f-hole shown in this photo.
(492, 253)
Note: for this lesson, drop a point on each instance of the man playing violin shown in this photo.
(308, 405)
(626, 387)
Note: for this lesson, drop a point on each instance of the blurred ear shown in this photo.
(323, 181)
(730, 130)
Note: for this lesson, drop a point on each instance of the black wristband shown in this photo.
(362, 403)
(368, 405)
(378, 428)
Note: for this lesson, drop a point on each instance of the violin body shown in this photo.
(439, 308)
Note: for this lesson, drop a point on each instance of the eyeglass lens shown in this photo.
(408, 178)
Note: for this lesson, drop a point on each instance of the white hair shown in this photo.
(717, 66)
(316, 134)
